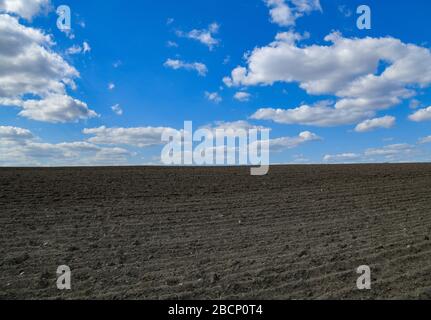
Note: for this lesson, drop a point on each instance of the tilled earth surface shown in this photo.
(216, 233)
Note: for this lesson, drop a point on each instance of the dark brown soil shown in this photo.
(216, 233)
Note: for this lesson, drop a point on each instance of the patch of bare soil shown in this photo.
(216, 233)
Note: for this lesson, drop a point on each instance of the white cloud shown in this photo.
(117, 109)
(299, 159)
(200, 68)
(27, 64)
(117, 64)
(307, 6)
(139, 136)
(56, 108)
(204, 36)
(369, 125)
(233, 125)
(111, 86)
(421, 115)
(414, 104)
(25, 8)
(401, 152)
(14, 134)
(291, 37)
(284, 15)
(279, 144)
(234, 129)
(172, 44)
(19, 146)
(28, 67)
(321, 115)
(425, 140)
(213, 96)
(348, 69)
(345, 11)
(242, 96)
(342, 157)
(76, 49)
(390, 150)
(86, 47)
(281, 13)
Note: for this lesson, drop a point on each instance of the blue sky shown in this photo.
(169, 61)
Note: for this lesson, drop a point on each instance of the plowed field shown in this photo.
(216, 233)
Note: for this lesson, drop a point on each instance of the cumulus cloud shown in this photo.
(370, 125)
(414, 104)
(279, 144)
(176, 64)
(213, 96)
(14, 134)
(390, 150)
(152, 136)
(204, 36)
(29, 68)
(401, 152)
(77, 49)
(239, 135)
(307, 6)
(26, 9)
(321, 115)
(27, 64)
(342, 157)
(139, 136)
(276, 144)
(421, 115)
(425, 140)
(242, 96)
(171, 44)
(348, 69)
(56, 108)
(285, 12)
(19, 146)
(220, 130)
(281, 13)
(231, 126)
(117, 109)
